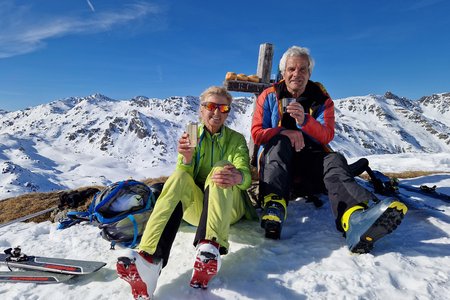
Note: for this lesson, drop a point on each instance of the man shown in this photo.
(294, 155)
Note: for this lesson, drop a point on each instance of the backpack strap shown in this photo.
(134, 242)
(112, 193)
(72, 218)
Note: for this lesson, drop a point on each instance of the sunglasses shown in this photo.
(223, 108)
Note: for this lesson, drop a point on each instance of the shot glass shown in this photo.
(285, 102)
(191, 129)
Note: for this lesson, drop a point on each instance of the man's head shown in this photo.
(296, 66)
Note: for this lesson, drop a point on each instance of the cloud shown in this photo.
(90, 5)
(24, 31)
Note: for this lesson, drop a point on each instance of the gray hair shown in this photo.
(296, 51)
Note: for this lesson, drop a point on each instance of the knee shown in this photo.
(178, 177)
(218, 166)
(179, 174)
(278, 144)
(281, 141)
(334, 160)
(221, 164)
(336, 169)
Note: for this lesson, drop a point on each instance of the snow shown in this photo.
(57, 146)
(311, 261)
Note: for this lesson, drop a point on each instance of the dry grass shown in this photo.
(407, 174)
(26, 204)
(151, 181)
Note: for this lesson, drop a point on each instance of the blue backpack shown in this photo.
(121, 211)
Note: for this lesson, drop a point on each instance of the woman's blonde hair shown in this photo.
(216, 91)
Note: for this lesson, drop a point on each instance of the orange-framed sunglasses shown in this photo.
(223, 108)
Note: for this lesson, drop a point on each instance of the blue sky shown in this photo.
(52, 49)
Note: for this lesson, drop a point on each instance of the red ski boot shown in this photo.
(141, 271)
(207, 263)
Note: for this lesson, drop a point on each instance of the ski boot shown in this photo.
(207, 264)
(364, 226)
(273, 216)
(141, 270)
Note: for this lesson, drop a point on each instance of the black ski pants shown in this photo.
(283, 170)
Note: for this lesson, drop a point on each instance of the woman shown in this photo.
(207, 190)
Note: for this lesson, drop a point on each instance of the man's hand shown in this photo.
(185, 149)
(296, 138)
(227, 177)
(296, 111)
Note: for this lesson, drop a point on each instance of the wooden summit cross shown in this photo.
(263, 73)
(241, 83)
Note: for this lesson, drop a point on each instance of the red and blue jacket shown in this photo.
(318, 127)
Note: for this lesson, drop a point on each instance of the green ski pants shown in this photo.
(225, 207)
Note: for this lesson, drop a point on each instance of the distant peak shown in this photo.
(99, 96)
(390, 95)
(139, 98)
(437, 95)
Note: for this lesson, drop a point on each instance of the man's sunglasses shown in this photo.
(223, 108)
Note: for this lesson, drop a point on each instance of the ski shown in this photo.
(386, 187)
(414, 203)
(426, 190)
(13, 258)
(27, 217)
(33, 277)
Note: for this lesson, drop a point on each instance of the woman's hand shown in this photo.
(227, 177)
(185, 149)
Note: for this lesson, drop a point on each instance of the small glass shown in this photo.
(285, 102)
(191, 129)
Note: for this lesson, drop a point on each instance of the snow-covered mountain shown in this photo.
(43, 147)
(390, 124)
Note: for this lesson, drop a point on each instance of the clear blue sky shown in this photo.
(52, 49)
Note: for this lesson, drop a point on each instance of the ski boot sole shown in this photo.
(272, 229)
(203, 273)
(126, 269)
(385, 224)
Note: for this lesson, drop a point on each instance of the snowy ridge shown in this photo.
(390, 124)
(44, 147)
(437, 107)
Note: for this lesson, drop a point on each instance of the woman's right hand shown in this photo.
(185, 149)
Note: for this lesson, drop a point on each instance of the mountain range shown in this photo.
(45, 147)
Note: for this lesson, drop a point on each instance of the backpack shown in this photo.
(120, 210)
